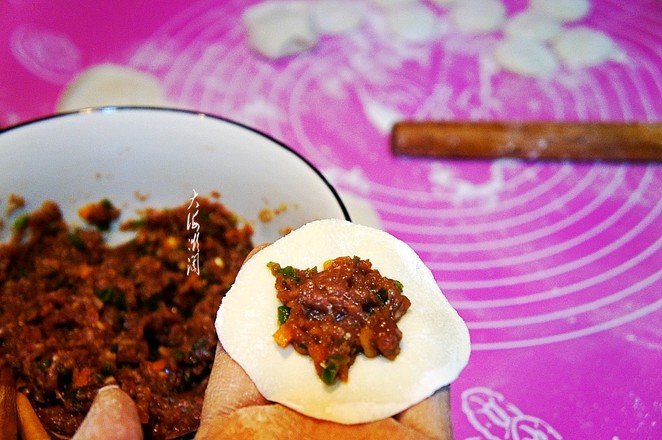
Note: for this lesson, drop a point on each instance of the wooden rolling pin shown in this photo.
(591, 141)
(8, 416)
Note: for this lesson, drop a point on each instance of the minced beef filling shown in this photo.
(334, 314)
(77, 314)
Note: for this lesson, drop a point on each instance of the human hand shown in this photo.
(234, 408)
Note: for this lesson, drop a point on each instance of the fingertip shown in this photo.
(229, 388)
(255, 250)
(431, 417)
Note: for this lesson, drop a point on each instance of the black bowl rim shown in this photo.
(113, 109)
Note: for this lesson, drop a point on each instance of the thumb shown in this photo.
(113, 416)
(229, 388)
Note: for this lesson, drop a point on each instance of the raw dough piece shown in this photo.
(475, 16)
(412, 23)
(583, 47)
(434, 349)
(526, 57)
(109, 84)
(532, 26)
(564, 10)
(445, 3)
(387, 4)
(277, 29)
(336, 17)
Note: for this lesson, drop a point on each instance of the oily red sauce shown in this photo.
(77, 314)
(334, 314)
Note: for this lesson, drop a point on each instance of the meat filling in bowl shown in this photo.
(77, 314)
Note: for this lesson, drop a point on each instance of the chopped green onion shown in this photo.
(152, 303)
(110, 296)
(44, 363)
(107, 368)
(283, 314)
(76, 241)
(120, 300)
(287, 271)
(105, 295)
(198, 344)
(103, 226)
(21, 221)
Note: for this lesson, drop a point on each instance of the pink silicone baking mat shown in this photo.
(556, 267)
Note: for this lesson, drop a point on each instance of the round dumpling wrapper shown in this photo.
(434, 348)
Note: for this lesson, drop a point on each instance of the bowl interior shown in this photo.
(139, 157)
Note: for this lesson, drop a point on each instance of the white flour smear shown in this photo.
(462, 191)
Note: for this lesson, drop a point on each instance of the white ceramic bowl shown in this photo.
(123, 153)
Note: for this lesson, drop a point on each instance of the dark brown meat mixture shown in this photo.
(334, 314)
(100, 214)
(76, 314)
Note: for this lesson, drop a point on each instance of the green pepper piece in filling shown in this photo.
(330, 371)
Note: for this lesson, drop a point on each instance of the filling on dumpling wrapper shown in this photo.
(339, 313)
(434, 348)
